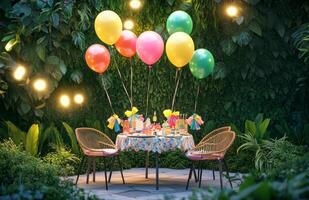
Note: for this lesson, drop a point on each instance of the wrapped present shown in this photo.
(195, 121)
(171, 116)
(114, 123)
(132, 116)
(126, 126)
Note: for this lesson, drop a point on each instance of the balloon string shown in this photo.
(176, 75)
(131, 83)
(176, 88)
(148, 86)
(196, 97)
(106, 92)
(123, 85)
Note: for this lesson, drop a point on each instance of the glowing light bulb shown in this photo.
(128, 24)
(39, 85)
(65, 100)
(135, 4)
(232, 11)
(19, 73)
(79, 98)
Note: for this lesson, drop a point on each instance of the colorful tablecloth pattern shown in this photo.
(157, 144)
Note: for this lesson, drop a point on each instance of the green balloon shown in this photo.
(179, 21)
(202, 63)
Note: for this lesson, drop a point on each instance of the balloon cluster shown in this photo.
(149, 47)
(180, 46)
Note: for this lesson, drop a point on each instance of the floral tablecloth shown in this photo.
(157, 144)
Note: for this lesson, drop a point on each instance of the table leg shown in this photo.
(157, 171)
(147, 163)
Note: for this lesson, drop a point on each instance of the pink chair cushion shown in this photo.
(195, 155)
(101, 152)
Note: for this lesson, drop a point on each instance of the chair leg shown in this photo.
(111, 170)
(105, 169)
(220, 168)
(201, 174)
(189, 177)
(93, 170)
(213, 175)
(80, 169)
(198, 171)
(120, 167)
(194, 173)
(88, 169)
(227, 172)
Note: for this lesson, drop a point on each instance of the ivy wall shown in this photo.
(258, 65)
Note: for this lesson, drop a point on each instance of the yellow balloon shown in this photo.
(108, 26)
(179, 49)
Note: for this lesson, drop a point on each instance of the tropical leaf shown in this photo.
(17, 135)
(263, 127)
(250, 127)
(32, 140)
(51, 136)
(70, 132)
(256, 28)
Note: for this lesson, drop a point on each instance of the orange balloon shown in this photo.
(126, 44)
(97, 58)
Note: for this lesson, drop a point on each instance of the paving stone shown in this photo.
(172, 183)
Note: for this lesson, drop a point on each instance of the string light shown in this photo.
(39, 85)
(232, 11)
(65, 100)
(135, 4)
(79, 99)
(19, 73)
(128, 24)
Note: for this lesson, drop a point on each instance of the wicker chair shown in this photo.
(218, 130)
(213, 148)
(96, 144)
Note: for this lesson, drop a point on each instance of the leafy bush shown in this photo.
(296, 187)
(38, 137)
(64, 160)
(276, 152)
(290, 168)
(298, 134)
(255, 134)
(26, 177)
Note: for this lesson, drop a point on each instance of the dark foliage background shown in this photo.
(261, 64)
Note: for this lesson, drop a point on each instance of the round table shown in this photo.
(155, 144)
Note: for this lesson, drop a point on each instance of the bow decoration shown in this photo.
(132, 116)
(171, 116)
(114, 123)
(195, 121)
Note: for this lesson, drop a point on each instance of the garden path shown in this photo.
(172, 184)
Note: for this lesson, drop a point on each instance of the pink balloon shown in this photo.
(149, 47)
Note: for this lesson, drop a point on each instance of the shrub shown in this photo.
(290, 167)
(64, 160)
(22, 174)
(296, 187)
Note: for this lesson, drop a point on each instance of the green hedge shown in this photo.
(26, 177)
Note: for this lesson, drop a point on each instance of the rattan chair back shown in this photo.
(218, 143)
(214, 132)
(90, 138)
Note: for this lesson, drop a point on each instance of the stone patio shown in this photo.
(172, 184)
